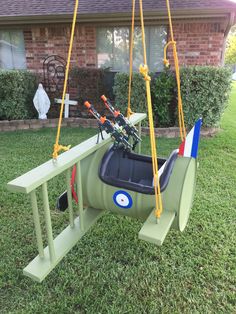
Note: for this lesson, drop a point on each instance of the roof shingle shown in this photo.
(59, 7)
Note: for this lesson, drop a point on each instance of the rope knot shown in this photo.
(158, 213)
(165, 60)
(166, 63)
(143, 69)
(58, 148)
(129, 112)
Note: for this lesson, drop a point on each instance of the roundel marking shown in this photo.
(122, 199)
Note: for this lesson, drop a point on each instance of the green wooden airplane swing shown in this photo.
(110, 176)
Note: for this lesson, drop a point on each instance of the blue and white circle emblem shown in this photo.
(122, 199)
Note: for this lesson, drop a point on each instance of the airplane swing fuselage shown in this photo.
(177, 196)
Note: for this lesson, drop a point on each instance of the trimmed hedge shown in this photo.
(138, 94)
(89, 84)
(17, 89)
(205, 93)
(162, 90)
(163, 98)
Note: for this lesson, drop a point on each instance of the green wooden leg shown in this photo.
(37, 225)
(69, 197)
(48, 222)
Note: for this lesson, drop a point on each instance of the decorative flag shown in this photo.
(189, 147)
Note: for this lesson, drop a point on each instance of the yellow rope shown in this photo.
(129, 111)
(176, 61)
(57, 146)
(144, 71)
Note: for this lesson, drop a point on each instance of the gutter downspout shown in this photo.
(226, 33)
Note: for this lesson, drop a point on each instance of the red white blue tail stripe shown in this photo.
(189, 147)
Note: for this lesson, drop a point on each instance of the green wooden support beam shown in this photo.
(37, 225)
(69, 197)
(48, 223)
(154, 232)
(40, 267)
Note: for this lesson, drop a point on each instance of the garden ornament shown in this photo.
(41, 102)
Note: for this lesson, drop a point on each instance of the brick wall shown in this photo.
(199, 42)
(43, 41)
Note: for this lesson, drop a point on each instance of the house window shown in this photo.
(113, 47)
(12, 50)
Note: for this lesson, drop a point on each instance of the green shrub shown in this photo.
(162, 89)
(17, 89)
(138, 93)
(163, 98)
(205, 93)
(90, 84)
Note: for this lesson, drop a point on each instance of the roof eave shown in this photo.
(113, 17)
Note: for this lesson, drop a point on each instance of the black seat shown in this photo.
(134, 172)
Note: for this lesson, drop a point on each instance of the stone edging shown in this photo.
(33, 124)
(174, 132)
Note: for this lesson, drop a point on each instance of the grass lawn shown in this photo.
(110, 270)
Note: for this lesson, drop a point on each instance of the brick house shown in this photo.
(31, 30)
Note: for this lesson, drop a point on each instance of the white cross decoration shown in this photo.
(67, 103)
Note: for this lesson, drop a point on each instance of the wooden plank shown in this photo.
(36, 177)
(154, 232)
(40, 267)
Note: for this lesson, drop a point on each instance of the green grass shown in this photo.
(110, 270)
